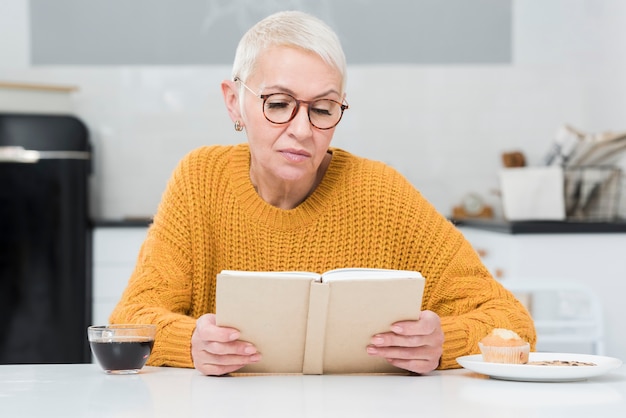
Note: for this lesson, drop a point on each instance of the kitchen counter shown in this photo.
(121, 223)
(542, 227)
(493, 225)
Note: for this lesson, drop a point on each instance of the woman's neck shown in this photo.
(285, 194)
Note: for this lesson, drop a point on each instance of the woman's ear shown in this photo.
(231, 99)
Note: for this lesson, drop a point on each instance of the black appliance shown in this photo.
(45, 239)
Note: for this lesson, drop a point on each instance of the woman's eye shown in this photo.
(279, 102)
(321, 112)
(276, 105)
(325, 108)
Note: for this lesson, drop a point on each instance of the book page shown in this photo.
(367, 273)
(270, 311)
(359, 309)
(274, 274)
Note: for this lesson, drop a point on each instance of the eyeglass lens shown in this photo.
(281, 108)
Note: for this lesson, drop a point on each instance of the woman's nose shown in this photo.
(300, 122)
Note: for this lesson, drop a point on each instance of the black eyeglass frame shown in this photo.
(296, 109)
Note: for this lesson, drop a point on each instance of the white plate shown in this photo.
(535, 373)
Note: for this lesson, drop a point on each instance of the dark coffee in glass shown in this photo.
(122, 349)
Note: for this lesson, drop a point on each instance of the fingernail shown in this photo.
(377, 340)
(372, 350)
(233, 336)
(249, 350)
(397, 329)
(255, 358)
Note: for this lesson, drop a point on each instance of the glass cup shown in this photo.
(121, 348)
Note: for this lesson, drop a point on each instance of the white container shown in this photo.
(533, 193)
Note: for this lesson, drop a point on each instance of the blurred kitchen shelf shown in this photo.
(20, 97)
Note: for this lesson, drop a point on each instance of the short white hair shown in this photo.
(289, 28)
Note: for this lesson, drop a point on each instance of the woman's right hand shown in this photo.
(217, 350)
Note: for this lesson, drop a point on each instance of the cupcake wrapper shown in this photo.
(511, 355)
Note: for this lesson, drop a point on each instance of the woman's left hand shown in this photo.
(411, 345)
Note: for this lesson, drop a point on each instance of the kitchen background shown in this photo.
(438, 88)
(432, 101)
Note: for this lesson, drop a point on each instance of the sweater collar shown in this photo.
(259, 210)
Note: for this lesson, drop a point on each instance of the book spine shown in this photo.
(316, 329)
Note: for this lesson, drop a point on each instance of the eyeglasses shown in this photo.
(280, 108)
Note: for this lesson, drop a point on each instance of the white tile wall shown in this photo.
(14, 33)
(444, 127)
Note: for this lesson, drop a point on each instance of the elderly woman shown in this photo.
(287, 200)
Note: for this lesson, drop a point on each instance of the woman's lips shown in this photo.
(295, 155)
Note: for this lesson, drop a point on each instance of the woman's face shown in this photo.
(293, 151)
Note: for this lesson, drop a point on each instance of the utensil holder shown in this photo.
(593, 193)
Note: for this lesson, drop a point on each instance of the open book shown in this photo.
(313, 324)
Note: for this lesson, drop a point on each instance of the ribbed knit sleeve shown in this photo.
(362, 214)
(168, 286)
(471, 303)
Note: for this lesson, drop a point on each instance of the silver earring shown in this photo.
(238, 126)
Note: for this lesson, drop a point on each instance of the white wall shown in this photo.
(444, 127)
(14, 34)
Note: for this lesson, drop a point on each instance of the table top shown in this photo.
(83, 390)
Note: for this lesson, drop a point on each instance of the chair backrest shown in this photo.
(568, 315)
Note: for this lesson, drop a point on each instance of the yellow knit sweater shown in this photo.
(362, 214)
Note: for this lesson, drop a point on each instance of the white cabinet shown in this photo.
(115, 251)
(595, 260)
(583, 256)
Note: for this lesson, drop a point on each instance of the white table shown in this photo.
(85, 391)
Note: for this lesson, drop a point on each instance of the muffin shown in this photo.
(504, 346)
